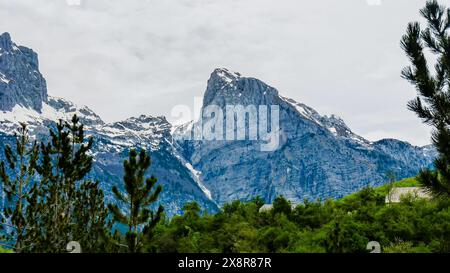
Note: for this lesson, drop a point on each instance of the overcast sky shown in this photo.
(126, 58)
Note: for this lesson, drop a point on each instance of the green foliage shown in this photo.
(92, 227)
(406, 247)
(16, 179)
(281, 205)
(2, 251)
(61, 206)
(341, 226)
(64, 207)
(57, 206)
(140, 219)
(407, 182)
(432, 105)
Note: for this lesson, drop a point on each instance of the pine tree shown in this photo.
(433, 102)
(138, 198)
(92, 229)
(66, 207)
(16, 178)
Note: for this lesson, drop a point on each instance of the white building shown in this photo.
(396, 194)
(269, 207)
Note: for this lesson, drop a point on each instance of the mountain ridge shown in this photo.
(208, 172)
(318, 156)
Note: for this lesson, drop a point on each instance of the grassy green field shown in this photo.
(2, 251)
(384, 190)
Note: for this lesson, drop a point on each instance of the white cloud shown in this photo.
(125, 58)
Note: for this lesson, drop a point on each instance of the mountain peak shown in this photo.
(228, 87)
(144, 123)
(5, 41)
(225, 74)
(21, 83)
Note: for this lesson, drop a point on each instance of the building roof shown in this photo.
(396, 194)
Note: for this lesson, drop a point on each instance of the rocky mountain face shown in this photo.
(20, 80)
(23, 98)
(317, 156)
(180, 181)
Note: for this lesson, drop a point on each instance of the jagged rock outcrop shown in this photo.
(21, 83)
(318, 156)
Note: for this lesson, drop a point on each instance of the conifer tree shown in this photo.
(16, 179)
(92, 228)
(433, 102)
(66, 207)
(138, 197)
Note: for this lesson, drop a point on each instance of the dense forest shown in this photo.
(414, 225)
(342, 226)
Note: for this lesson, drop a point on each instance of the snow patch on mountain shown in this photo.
(3, 77)
(196, 175)
(53, 110)
(146, 131)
